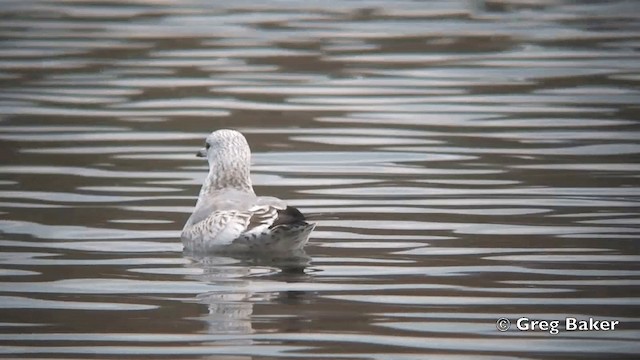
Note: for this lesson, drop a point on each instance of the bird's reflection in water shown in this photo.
(242, 281)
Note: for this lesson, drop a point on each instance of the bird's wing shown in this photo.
(204, 208)
(219, 228)
(222, 227)
(231, 200)
(261, 216)
(264, 212)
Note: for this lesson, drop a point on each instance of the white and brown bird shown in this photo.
(229, 217)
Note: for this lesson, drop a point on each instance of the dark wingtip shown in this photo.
(289, 216)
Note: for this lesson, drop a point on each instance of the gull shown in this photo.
(228, 216)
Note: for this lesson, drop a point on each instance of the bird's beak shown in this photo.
(202, 153)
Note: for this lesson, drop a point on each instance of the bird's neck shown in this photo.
(227, 176)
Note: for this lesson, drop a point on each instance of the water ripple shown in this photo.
(460, 168)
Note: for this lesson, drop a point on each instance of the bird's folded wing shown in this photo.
(223, 227)
(233, 200)
(205, 208)
(262, 216)
(220, 227)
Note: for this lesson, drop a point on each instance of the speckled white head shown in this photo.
(229, 159)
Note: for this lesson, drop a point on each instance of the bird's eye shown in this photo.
(207, 146)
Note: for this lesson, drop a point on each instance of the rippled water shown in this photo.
(465, 161)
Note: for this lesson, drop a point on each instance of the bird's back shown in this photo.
(232, 220)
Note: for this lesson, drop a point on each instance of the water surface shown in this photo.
(464, 160)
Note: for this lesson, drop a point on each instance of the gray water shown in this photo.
(464, 160)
